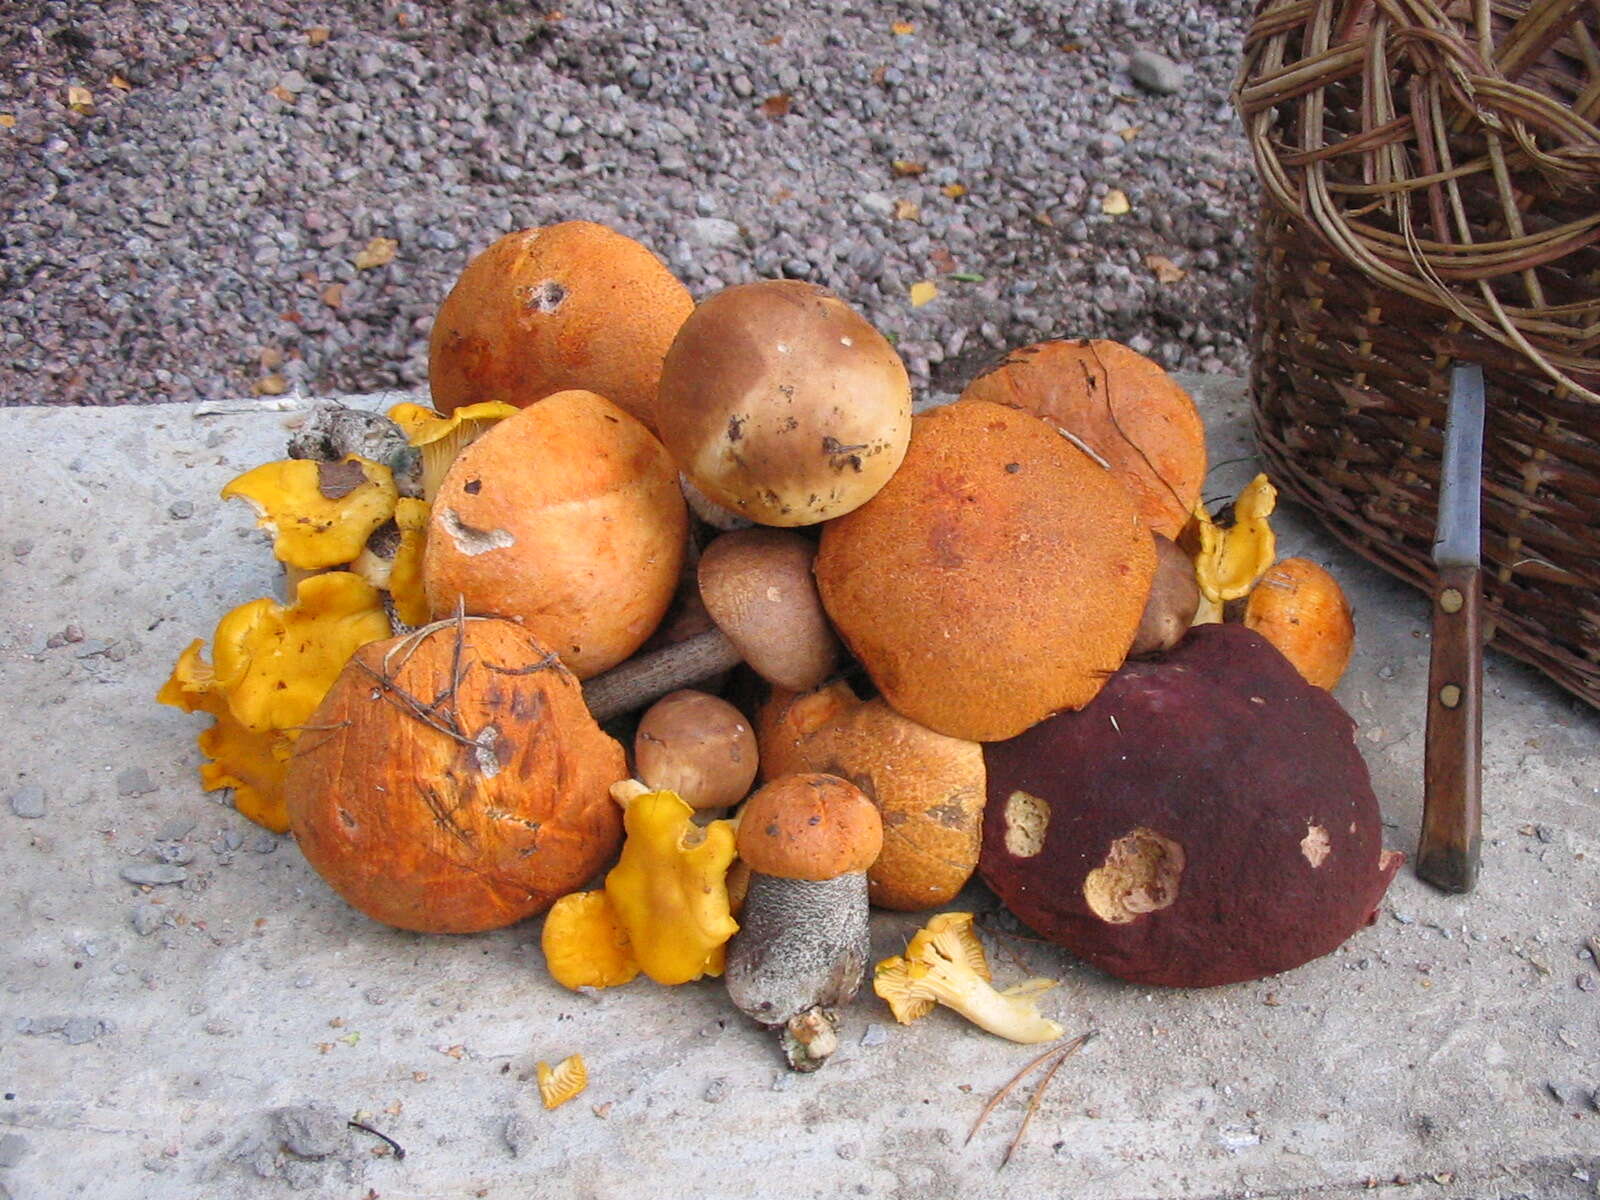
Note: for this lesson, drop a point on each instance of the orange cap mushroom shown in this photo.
(809, 826)
(1301, 609)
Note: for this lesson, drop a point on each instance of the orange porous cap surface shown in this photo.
(809, 826)
(998, 577)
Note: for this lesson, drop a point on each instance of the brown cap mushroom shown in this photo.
(758, 588)
(782, 403)
(698, 746)
(809, 826)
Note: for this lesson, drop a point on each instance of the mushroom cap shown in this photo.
(320, 513)
(1123, 406)
(809, 826)
(1207, 820)
(568, 306)
(928, 788)
(758, 586)
(698, 746)
(568, 518)
(1173, 601)
(459, 831)
(998, 577)
(1301, 609)
(783, 404)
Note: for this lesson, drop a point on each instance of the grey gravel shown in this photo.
(178, 242)
(1156, 72)
(28, 801)
(134, 781)
(716, 1091)
(518, 1134)
(150, 874)
(76, 1031)
(181, 510)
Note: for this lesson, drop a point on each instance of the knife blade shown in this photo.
(1452, 808)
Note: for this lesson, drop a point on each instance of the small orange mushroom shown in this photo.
(1301, 609)
(320, 513)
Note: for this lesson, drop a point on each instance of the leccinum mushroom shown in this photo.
(803, 945)
(697, 745)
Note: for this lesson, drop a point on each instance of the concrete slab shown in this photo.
(150, 1035)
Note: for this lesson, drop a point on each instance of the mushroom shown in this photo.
(1208, 819)
(758, 588)
(945, 964)
(320, 513)
(928, 788)
(452, 781)
(440, 438)
(273, 666)
(698, 746)
(1301, 609)
(1231, 556)
(1173, 601)
(668, 888)
(585, 944)
(392, 560)
(782, 404)
(998, 577)
(803, 945)
(566, 517)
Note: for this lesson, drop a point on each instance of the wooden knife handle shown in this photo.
(1452, 808)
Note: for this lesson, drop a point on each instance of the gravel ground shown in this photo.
(196, 231)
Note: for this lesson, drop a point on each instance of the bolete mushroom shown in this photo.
(1207, 819)
(566, 517)
(698, 746)
(782, 403)
(803, 944)
(998, 577)
(1301, 609)
(928, 788)
(1121, 405)
(452, 781)
(1173, 601)
(569, 306)
(758, 589)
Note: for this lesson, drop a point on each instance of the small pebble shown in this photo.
(518, 1134)
(175, 829)
(28, 801)
(304, 980)
(1157, 73)
(22, 548)
(134, 781)
(147, 918)
(153, 874)
(217, 1027)
(716, 1091)
(181, 510)
(875, 1035)
(265, 843)
(375, 995)
(82, 1030)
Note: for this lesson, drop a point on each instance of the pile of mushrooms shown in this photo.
(759, 650)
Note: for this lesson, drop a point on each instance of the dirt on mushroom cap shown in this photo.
(998, 577)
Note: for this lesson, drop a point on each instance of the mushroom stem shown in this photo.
(648, 677)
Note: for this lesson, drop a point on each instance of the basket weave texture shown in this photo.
(1432, 195)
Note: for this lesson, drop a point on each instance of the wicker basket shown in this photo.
(1432, 179)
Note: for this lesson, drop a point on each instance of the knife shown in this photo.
(1452, 810)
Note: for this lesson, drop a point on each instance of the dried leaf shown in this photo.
(943, 261)
(121, 84)
(7, 121)
(1045, 219)
(318, 34)
(776, 40)
(1131, 132)
(905, 168)
(454, 1052)
(1166, 270)
(881, 76)
(903, 28)
(270, 357)
(282, 93)
(378, 252)
(1070, 47)
(333, 295)
(1115, 203)
(271, 385)
(954, 190)
(80, 99)
(907, 210)
(922, 292)
(777, 105)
